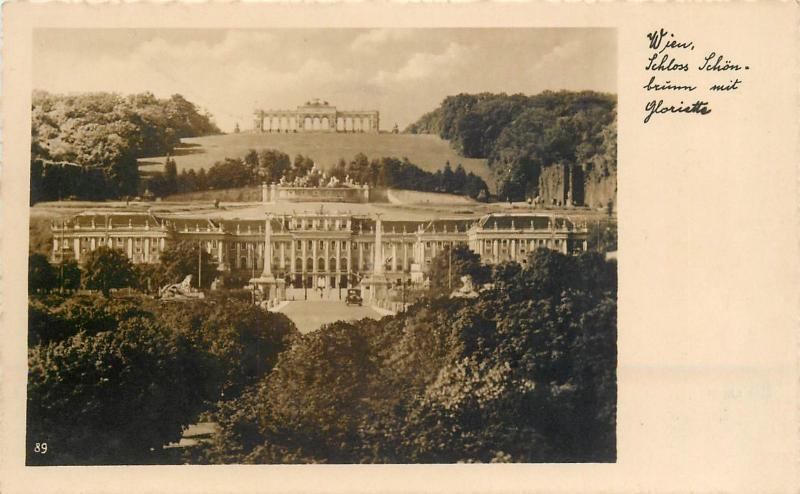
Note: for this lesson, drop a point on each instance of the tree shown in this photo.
(246, 340)
(68, 274)
(100, 136)
(251, 160)
(308, 409)
(602, 235)
(115, 397)
(41, 277)
(170, 176)
(106, 268)
(447, 178)
(448, 267)
(229, 174)
(519, 135)
(459, 180)
(273, 164)
(181, 259)
(59, 319)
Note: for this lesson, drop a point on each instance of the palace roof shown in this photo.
(113, 219)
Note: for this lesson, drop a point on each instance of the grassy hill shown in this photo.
(429, 152)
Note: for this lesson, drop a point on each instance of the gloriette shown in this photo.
(317, 116)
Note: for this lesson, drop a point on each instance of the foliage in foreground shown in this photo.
(112, 397)
(111, 382)
(524, 373)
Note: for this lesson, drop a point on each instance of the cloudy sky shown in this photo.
(403, 73)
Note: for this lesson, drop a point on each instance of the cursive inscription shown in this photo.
(656, 107)
(652, 85)
(713, 62)
(670, 57)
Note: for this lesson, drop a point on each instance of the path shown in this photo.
(309, 315)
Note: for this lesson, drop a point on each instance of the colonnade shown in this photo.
(283, 121)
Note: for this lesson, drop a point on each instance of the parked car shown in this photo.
(353, 297)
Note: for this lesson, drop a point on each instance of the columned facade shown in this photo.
(320, 250)
(317, 116)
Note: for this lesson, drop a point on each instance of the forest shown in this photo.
(86, 145)
(520, 135)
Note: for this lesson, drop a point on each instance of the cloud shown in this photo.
(375, 39)
(421, 66)
(556, 58)
(402, 72)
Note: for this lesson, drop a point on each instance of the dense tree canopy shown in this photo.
(526, 373)
(244, 340)
(87, 145)
(112, 381)
(519, 135)
(41, 276)
(56, 318)
(114, 396)
(106, 268)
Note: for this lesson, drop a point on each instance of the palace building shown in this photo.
(317, 116)
(317, 248)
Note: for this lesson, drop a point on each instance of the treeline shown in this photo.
(86, 145)
(106, 269)
(525, 372)
(519, 134)
(270, 165)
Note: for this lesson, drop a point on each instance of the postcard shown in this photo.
(390, 247)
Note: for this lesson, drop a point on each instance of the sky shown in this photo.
(403, 73)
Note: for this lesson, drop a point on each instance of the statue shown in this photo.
(467, 289)
(180, 291)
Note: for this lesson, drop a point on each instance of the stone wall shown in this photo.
(282, 193)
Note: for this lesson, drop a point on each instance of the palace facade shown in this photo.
(317, 116)
(315, 249)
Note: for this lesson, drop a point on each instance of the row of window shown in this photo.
(120, 242)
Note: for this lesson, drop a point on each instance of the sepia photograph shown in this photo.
(322, 246)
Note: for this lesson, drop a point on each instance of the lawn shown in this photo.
(427, 151)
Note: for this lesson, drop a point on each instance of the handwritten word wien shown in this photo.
(672, 55)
